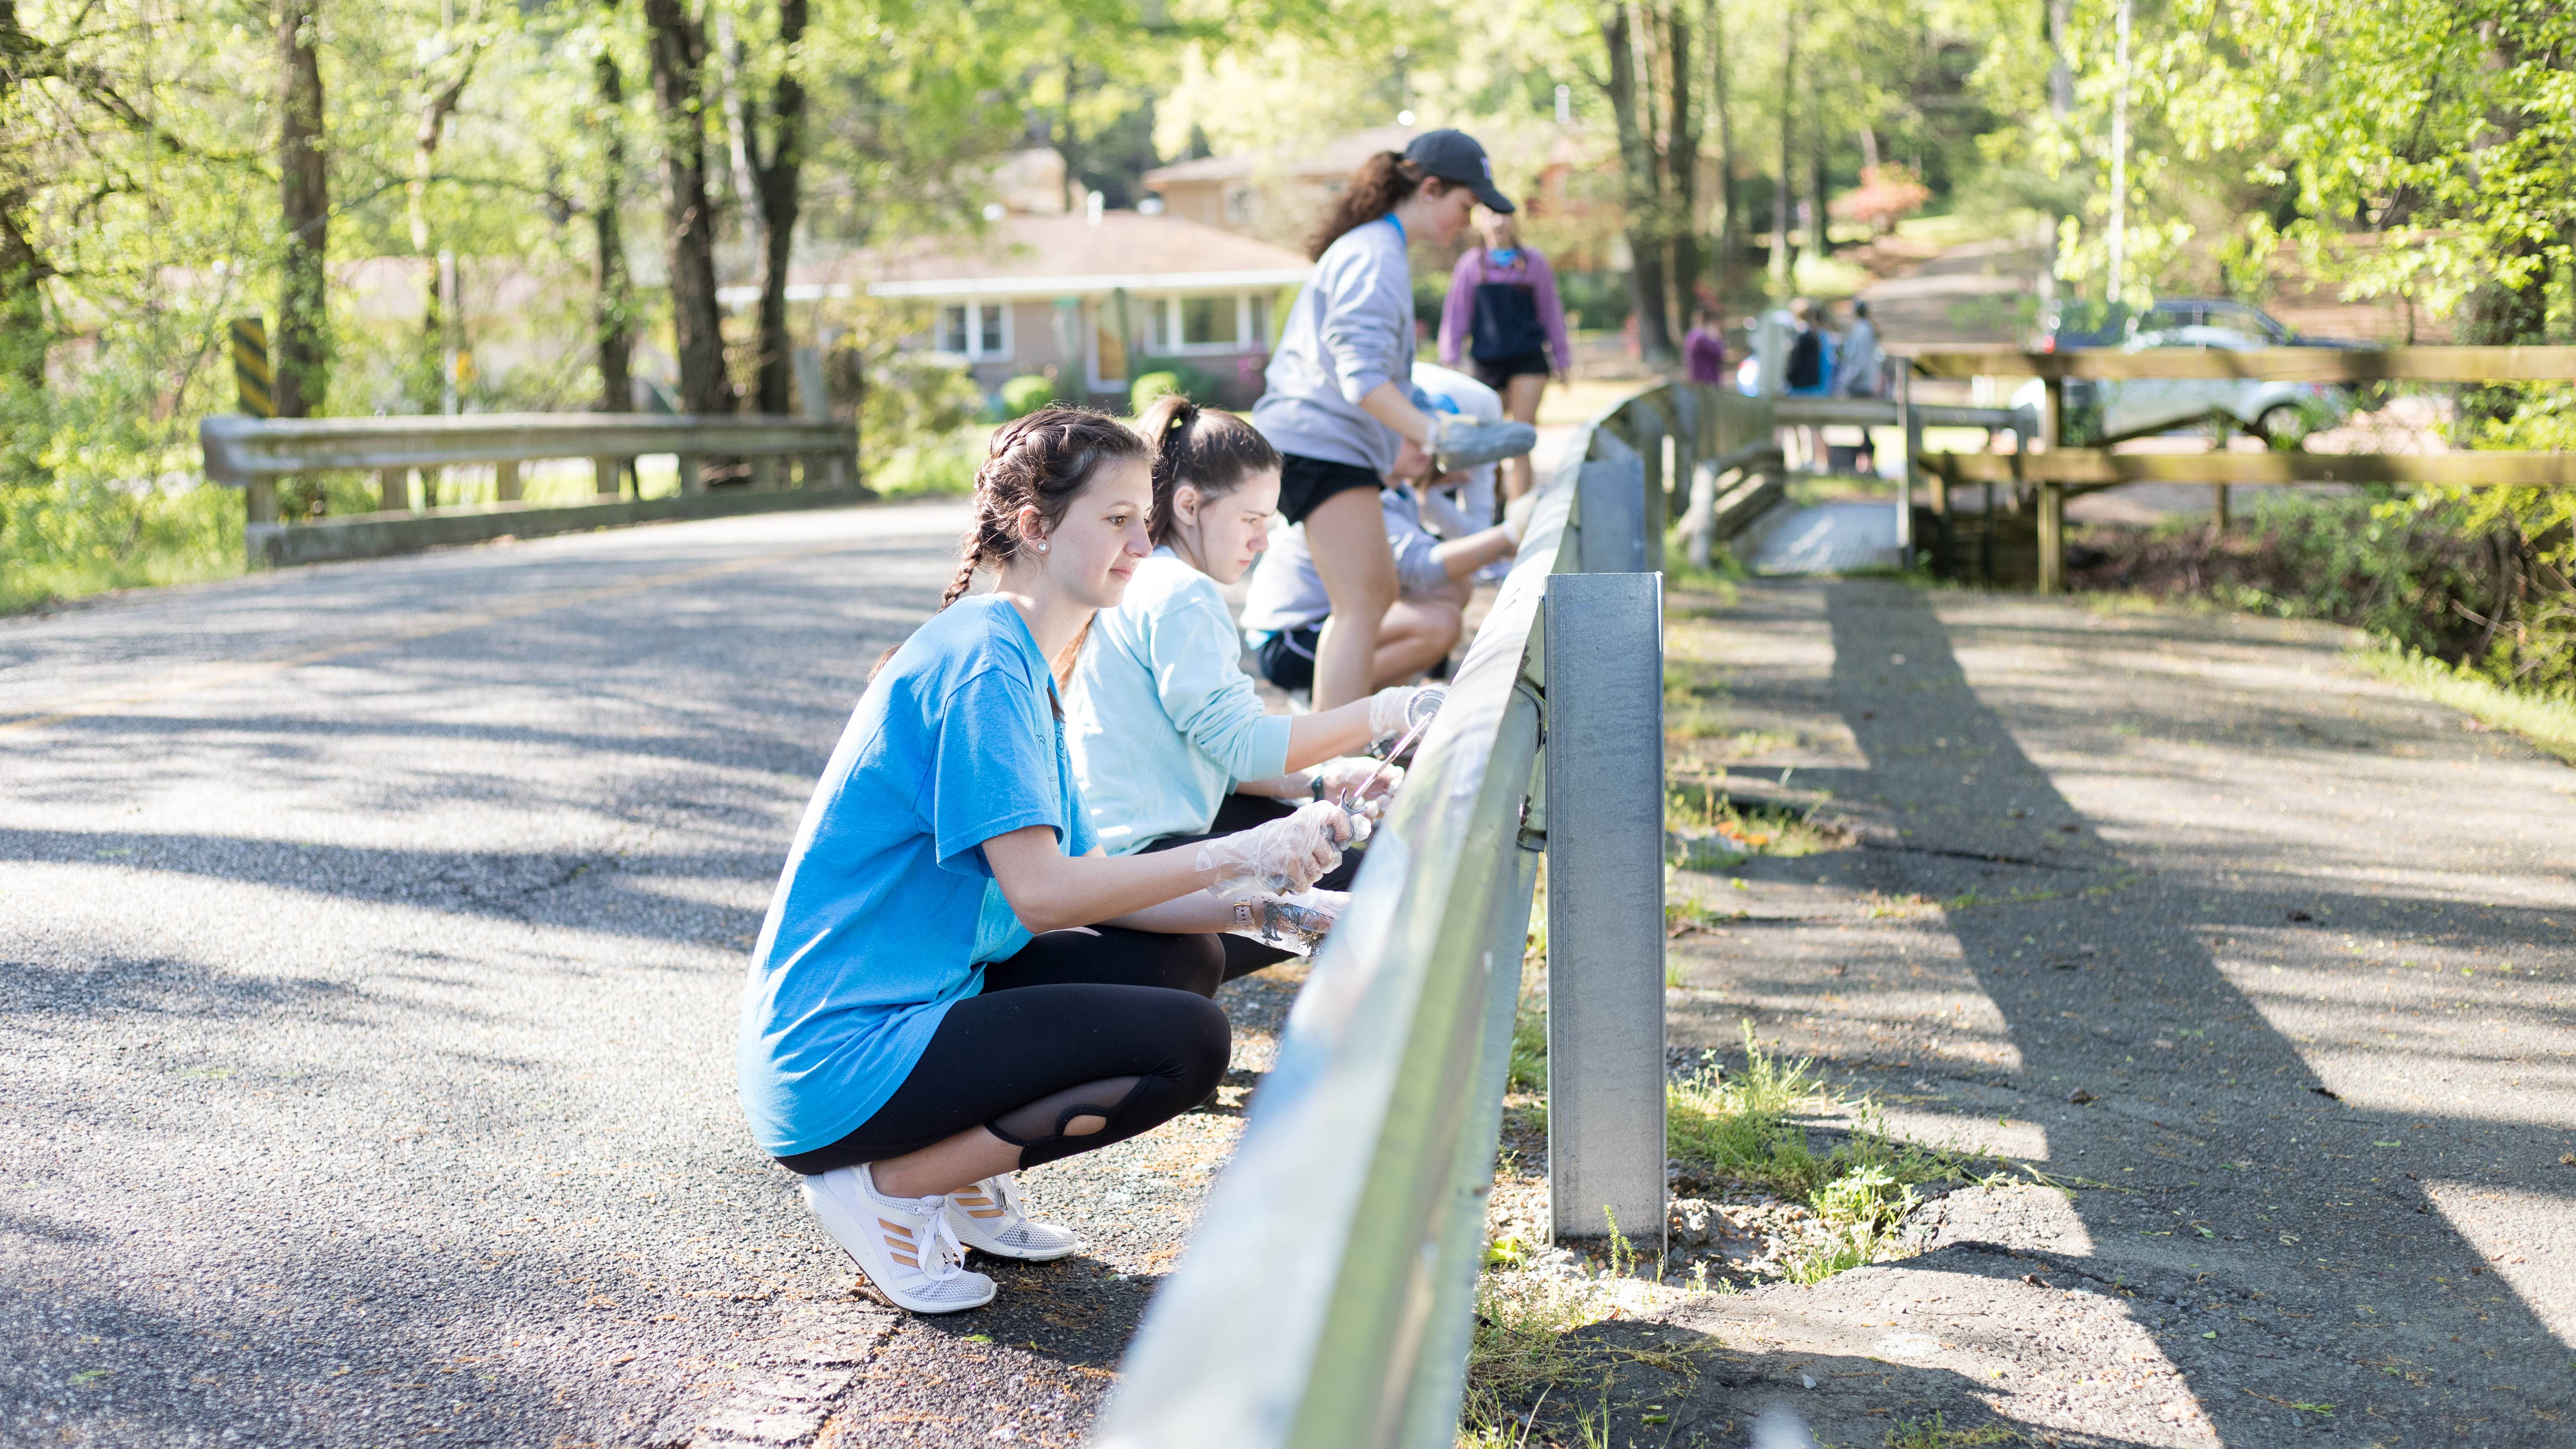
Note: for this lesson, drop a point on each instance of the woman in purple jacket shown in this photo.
(1503, 311)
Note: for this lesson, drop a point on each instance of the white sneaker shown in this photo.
(903, 1244)
(988, 1218)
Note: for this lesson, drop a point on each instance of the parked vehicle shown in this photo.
(2281, 413)
(2093, 325)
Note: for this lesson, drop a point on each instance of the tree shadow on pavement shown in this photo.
(2292, 1259)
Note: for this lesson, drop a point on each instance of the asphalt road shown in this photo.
(2272, 963)
(370, 943)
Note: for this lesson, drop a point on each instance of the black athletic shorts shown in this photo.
(1306, 482)
(1501, 370)
(1287, 658)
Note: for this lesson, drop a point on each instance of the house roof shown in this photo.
(1073, 256)
(1339, 156)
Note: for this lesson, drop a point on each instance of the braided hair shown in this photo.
(1210, 451)
(1040, 461)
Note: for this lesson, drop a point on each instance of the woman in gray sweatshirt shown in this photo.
(1339, 403)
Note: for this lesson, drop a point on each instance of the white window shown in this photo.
(976, 331)
(1227, 322)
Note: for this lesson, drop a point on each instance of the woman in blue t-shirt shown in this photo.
(953, 981)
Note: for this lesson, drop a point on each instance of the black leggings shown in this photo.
(1244, 955)
(1099, 1021)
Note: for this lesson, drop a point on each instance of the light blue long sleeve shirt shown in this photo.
(1163, 721)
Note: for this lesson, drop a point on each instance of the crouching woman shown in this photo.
(953, 981)
(1170, 740)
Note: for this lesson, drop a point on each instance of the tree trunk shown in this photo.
(437, 104)
(1681, 164)
(612, 311)
(1730, 233)
(679, 53)
(23, 268)
(1783, 203)
(1820, 239)
(1637, 160)
(779, 175)
(302, 358)
(1069, 146)
(23, 271)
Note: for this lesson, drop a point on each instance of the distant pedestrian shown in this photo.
(1857, 362)
(1704, 347)
(1808, 372)
(1858, 366)
(1504, 312)
(1810, 363)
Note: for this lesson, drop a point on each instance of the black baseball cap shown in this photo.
(1455, 156)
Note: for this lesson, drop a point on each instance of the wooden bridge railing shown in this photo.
(2060, 472)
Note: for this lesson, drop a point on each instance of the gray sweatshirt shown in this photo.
(1349, 330)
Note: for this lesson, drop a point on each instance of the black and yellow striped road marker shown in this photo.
(251, 376)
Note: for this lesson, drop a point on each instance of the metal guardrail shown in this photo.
(1326, 1300)
(253, 453)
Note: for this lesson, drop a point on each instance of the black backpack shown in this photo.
(1807, 360)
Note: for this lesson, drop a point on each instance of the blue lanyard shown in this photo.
(1399, 229)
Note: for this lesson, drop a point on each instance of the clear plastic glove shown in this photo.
(1517, 513)
(1390, 711)
(1358, 782)
(1296, 922)
(1285, 855)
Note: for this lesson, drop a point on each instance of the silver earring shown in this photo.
(1042, 548)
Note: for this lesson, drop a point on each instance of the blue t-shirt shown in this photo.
(886, 907)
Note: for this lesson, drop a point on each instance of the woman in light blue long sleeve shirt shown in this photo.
(1169, 738)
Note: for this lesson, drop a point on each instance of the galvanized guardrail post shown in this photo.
(1605, 905)
(1610, 515)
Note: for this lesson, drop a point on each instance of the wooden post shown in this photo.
(259, 500)
(2052, 414)
(764, 474)
(393, 490)
(505, 481)
(2052, 537)
(2219, 513)
(693, 478)
(606, 475)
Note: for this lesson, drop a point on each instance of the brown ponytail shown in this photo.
(1211, 451)
(1373, 190)
(1041, 461)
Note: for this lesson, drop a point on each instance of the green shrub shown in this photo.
(1170, 377)
(943, 465)
(1026, 394)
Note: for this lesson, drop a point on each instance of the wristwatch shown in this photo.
(1315, 784)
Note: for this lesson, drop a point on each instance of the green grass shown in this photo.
(64, 541)
(1743, 828)
(1933, 1434)
(2547, 722)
